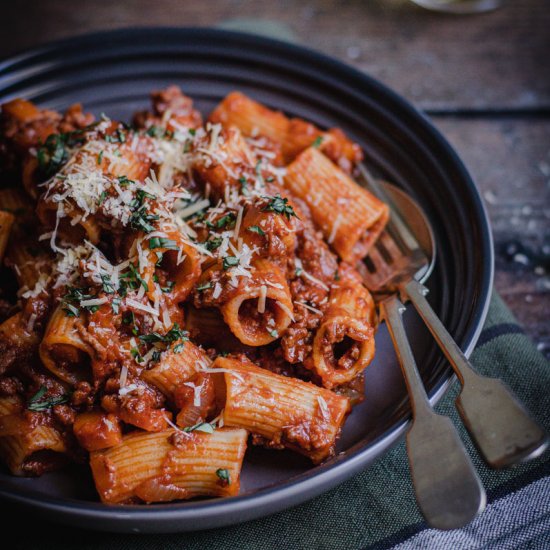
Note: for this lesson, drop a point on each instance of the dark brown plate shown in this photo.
(113, 73)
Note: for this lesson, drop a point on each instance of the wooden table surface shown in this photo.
(483, 79)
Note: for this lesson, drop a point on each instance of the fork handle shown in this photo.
(498, 423)
(447, 487)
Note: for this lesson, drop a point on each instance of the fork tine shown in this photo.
(382, 270)
(390, 245)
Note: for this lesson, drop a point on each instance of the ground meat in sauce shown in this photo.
(18, 136)
(10, 386)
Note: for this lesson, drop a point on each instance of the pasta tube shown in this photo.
(31, 449)
(350, 218)
(173, 369)
(63, 350)
(283, 411)
(260, 309)
(344, 342)
(170, 465)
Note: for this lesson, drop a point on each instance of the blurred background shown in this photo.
(483, 79)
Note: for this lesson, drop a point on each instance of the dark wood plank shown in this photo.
(510, 161)
(440, 62)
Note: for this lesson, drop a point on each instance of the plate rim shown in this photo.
(298, 489)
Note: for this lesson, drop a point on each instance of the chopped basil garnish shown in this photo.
(226, 221)
(174, 334)
(169, 287)
(106, 284)
(204, 286)
(280, 205)
(223, 474)
(161, 242)
(213, 243)
(70, 310)
(136, 355)
(102, 197)
(40, 403)
(131, 279)
(115, 305)
(230, 261)
(52, 155)
(200, 427)
(124, 181)
(256, 229)
(317, 141)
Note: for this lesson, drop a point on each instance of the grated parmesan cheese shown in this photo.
(238, 222)
(335, 227)
(323, 406)
(30, 322)
(138, 305)
(286, 309)
(94, 302)
(262, 299)
(217, 291)
(307, 306)
(123, 376)
(196, 393)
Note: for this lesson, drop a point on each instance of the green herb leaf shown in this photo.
(132, 278)
(40, 403)
(229, 262)
(213, 243)
(169, 287)
(161, 242)
(102, 197)
(204, 286)
(174, 334)
(53, 154)
(317, 141)
(136, 355)
(244, 186)
(70, 310)
(280, 205)
(124, 181)
(140, 220)
(178, 348)
(223, 474)
(115, 305)
(200, 427)
(107, 286)
(100, 157)
(256, 229)
(226, 221)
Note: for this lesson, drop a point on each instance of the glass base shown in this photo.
(460, 6)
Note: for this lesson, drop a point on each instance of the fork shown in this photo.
(499, 425)
(448, 490)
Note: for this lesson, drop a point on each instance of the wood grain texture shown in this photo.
(509, 159)
(490, 70)
(492, 61)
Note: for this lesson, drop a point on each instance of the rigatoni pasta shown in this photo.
(350, 217)
(183, 289)
(285, 412)
(171, 465)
